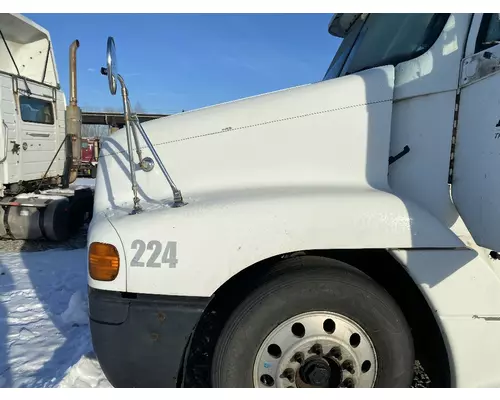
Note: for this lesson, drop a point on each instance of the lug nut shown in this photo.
(289, 374)
(348, 366)
(298, 357)
(348, 383)
(316, 349)
(336, 353)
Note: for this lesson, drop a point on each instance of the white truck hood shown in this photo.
(330, 133)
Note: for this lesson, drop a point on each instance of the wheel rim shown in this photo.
(316, 349)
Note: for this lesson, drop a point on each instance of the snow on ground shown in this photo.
(44, 332)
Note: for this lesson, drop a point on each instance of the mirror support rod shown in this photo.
(178, 200)
(131, 125)
(136, 139)
(126, 111)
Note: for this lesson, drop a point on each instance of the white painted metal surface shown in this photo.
(37, 142)
(475, 189)
(27, 147)
(245, 227)
(30, 46)
(101, 230)
(9, 165)
(423, 120)
(338, 199)
(464, 293)
(259, 142)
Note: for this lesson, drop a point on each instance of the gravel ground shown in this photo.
(421, 379)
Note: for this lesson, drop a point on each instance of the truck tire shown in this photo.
(315, 322)
(93, 172)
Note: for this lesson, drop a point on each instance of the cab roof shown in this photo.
(26, 50)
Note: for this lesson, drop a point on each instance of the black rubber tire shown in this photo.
(93, 172)
(310, 283)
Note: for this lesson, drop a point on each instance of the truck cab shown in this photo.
(89, 157)
(39, 133)
(328, 235)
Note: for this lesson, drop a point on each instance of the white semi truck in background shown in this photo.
(39, 138)
(326, 235)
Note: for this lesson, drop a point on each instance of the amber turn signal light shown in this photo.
(104, 261)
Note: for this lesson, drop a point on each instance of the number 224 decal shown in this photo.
(168, 255)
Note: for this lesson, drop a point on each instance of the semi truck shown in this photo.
(39, 137)
(89, 157)
(326, 235)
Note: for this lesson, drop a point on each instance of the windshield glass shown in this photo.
(385, 39)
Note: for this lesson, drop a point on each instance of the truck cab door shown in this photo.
(476, 160)
(41, 132)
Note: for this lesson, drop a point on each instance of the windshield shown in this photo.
(385, 39)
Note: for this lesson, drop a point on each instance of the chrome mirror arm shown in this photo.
(145, 164)
(126, 110)
(132, 125)
(134, 131)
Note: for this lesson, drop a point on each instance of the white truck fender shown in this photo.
(193, 250)
(463, 292)
(102, 231)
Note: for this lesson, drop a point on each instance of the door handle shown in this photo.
(38, 134)
(402, 153)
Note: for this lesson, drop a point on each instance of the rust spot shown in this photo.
(155, 337)
(161, 317)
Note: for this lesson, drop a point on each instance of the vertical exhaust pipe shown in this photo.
(73, 122)
(72, 73)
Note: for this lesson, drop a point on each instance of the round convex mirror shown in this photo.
(111, 65)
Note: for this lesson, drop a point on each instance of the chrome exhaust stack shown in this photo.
(73, 121)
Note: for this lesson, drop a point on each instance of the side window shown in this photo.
(36, 110)
(489, 32)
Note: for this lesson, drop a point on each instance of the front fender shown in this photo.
(217, 235)
(100, 230)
